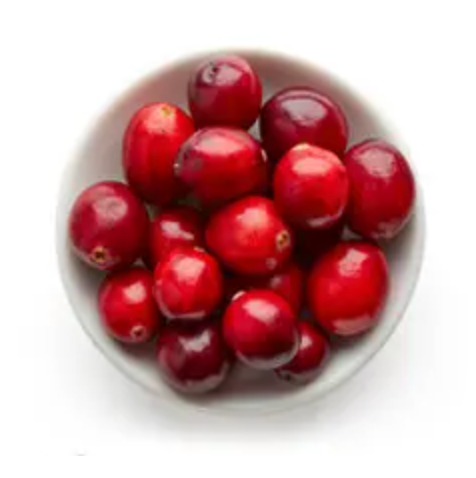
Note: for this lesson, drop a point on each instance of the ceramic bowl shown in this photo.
(98, 157)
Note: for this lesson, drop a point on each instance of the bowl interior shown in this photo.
(99, 158)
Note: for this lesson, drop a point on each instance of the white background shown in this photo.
(413, 409)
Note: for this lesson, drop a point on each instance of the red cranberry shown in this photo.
(311, 187)
(224, 91)
(302, 115)
(348, 287)
(152, 139)
(261, 328)
(312, 243)
(287, 282)
(108, 226)
(311, 355)
(178, 227)
(249, 237)
(193, 359)
(127, 307)
(382, 189)
(220, 164)
(188, 284)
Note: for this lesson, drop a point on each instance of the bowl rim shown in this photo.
(289, 402)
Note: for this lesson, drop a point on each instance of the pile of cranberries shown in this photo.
(247, 233)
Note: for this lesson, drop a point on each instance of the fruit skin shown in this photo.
(108, 226)
(181, 226)
(249, 237)
(311, 187)
(193, 358)
(348, 287)
(220, 164)
(261, 329)
(302, 115)
(151, 142)
(224, 91)
(382, 189)
(127, 307)
(188, 284)
(309, 359)
(287, 282)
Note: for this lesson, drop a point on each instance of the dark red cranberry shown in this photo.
(382, 189)
(261, 328)
(220, 164)
(108, 226)
(348, 287)
(188, 284)
(288, 282)
(177, 227)
(224, 91)
(249, 237)
(311, 355)
(311, 187)
(127, 306)
(151, 142)
(302, 115)
(193, 358)
(312, 243)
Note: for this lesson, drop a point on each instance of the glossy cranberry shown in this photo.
(177, 227)
(310, 187)
(302, 115)
(348, 287)
(311, 355)
(249, 237)
(261, 328)
(220, 164)
(382, 189)
(193, 358)
(188, 284)
(224, 91)
(152, 139)
(312, 243)
(108, 226)
(127, 306)
(287, 282)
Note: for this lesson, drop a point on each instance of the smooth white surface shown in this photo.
(98, 157)
(412, 410)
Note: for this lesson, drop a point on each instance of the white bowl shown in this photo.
(99, 158)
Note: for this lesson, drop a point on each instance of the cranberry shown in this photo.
(220, 164)
(249, 237)
(108, 226)
(261, 328)
(311, 187)
(288, 282)
(311, 355)
(382, 192)
(152, 139)
(127, 307)
(178, 227)
(302, 115)
(224, 91)
(188, 284)
(193, 359)
(312, 243)
(348, 287)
